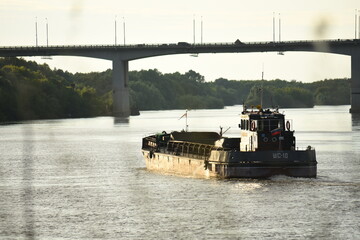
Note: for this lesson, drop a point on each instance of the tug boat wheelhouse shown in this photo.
(266, 147)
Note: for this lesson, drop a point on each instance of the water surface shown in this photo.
(86, 179)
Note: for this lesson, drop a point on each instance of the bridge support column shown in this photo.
(120, 82)
(355, 83)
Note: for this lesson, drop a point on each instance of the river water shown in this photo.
(86, 179)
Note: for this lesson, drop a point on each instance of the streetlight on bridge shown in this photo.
(356, 11)
(201, 30)
(115, 32)
(124, 28)
(47, 33)
(359, 23)
(36, 32)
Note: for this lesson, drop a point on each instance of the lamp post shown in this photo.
(356, 23)
(194, 28)
(279, 28)
(124, 28)
(201, 30)
(274, 27)
(47, 33)
(359, 24)
(115, 32)
(36, 32)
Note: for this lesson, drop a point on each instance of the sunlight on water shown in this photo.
(245, 187)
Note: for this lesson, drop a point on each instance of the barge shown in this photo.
(266, 147)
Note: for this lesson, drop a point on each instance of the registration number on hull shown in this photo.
(280, 155)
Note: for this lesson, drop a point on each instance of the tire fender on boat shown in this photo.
(252, 127)
(288, 125)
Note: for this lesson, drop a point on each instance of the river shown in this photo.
(86, 179)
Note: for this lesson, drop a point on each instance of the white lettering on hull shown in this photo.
(280, 155)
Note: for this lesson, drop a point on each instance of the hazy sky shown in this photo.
(73, 22)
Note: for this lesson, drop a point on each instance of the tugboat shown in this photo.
(265, 148)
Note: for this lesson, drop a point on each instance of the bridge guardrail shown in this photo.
(173, 45)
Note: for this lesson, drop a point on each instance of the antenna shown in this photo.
(262, 73)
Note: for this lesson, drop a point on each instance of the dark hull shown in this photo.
(234, 164)
(228, 171)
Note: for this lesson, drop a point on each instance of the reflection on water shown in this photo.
(86, 179)
(355, 120)
(356, 132)
(27, 182)
(119, 120)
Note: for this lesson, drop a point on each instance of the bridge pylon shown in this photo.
(355, 83)
(120, 82)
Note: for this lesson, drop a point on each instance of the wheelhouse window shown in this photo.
(267, 125)
(244, 124)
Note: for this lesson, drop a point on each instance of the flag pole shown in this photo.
(186, 120)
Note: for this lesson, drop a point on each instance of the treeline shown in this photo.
(34, 91)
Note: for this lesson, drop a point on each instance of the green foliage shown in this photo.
(332, 92)
(286, 97)
(33, 91)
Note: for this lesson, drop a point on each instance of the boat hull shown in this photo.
(230, 164)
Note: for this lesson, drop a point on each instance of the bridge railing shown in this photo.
(175, 45)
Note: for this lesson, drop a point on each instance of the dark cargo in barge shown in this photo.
(265, 148)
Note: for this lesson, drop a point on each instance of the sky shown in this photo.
(90, 22)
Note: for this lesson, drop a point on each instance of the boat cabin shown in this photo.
(265, 130)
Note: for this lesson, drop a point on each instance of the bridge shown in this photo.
(120, 55)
